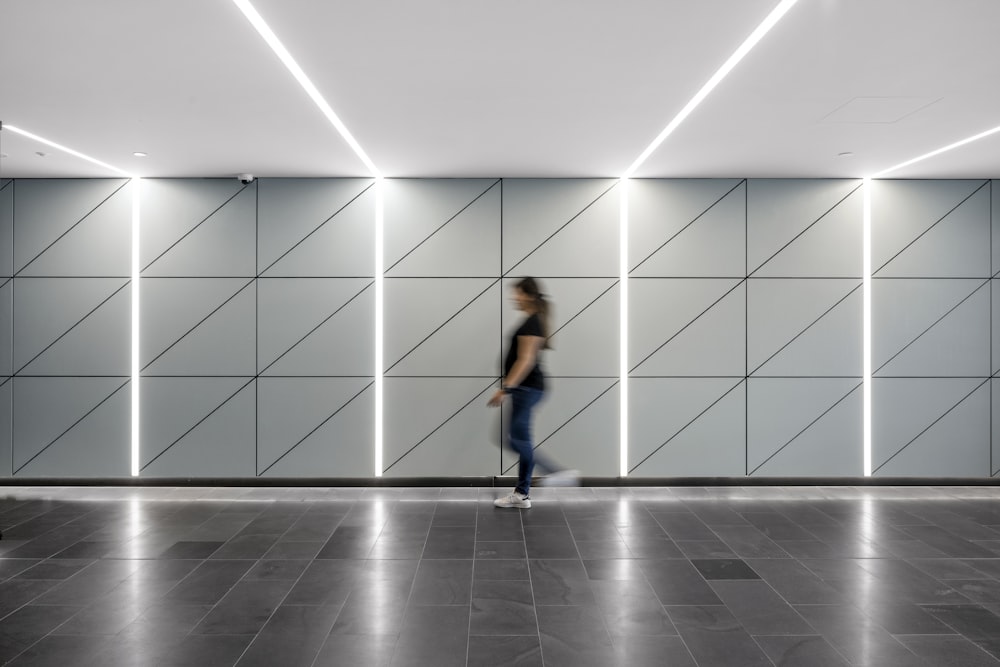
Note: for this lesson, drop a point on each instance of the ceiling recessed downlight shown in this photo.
(140, 154)
(846, 154)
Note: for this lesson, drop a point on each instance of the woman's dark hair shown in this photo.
(530, 287)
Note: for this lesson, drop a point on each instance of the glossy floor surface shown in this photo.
(588, 576)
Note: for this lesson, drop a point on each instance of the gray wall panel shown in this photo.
(687, 327)
(6, 420)
(6, 228)
(930, 327)
(6, 328)
(315, 227)
(930, 229)
(687, 427)
(198, 326)
(71, 427)
(316, 326)
(804, 327)
(692, 228)
(804, 426)
(315, 427)
(937, 427)
(197, 227)
(804, 227)
(439, 426)
(442, 227)
(441, 326)
(73, 227)
(198, 427)
(556, 227)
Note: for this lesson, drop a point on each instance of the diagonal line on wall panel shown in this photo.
(808, 426)
(192, 230)
(682, 329)
(936, 223)
(74, 425)
(596, 299)
(318, 427)
(808, 227)
(562, 227)
(71, 228)
(442, 424)
(442, 325)
(198, 423)
(685, 227)
(316, 229)
(75, 325)
(5, 283)
(565, 423)
(200, 322)
(449, 220)
(931, 425)
(810, 326)
(936, 322)
(317, 327)
(684, 428)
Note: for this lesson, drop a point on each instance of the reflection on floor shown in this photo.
(589, 576)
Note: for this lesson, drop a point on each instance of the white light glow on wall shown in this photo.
(866, 332)
(136, 199)
(379, 320)
(264, 30)
(623, 332)
(919, 158)
(769, 22)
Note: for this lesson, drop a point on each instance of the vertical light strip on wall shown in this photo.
(136, 199)
(758, 34)
(623, 331)
(379, 321)
(866, 327)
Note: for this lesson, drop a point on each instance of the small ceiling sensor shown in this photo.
(41, 154)
(140, 154)
(845, 154)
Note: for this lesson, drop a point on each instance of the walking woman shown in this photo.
(524, 382)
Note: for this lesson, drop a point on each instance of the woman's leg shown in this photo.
(523, 401)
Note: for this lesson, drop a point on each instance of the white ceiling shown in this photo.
(458, 88)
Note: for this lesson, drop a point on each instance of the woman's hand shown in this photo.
(497, 398)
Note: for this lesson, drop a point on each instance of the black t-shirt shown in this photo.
(532, 326)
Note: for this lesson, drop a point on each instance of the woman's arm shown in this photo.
(527, 357)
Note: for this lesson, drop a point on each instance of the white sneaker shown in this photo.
(562, 478)
(513, 499)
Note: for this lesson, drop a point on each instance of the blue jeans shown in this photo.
(523, 402)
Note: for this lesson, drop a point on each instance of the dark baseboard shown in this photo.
(490, 481)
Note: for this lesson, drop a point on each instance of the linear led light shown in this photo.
(769, 22)
(65, 149)
(945, 149)
(261, 26)
(866, 331)
(623, 331)
(136, 199)
(379, 318)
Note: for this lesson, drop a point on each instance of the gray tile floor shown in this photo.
(880, 576)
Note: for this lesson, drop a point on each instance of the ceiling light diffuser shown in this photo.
(264, 30)
(920, 158)
(769, 22)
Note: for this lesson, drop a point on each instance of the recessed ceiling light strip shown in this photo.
(769, 22)
(969, 140)
(64, 149)
(261, 26)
